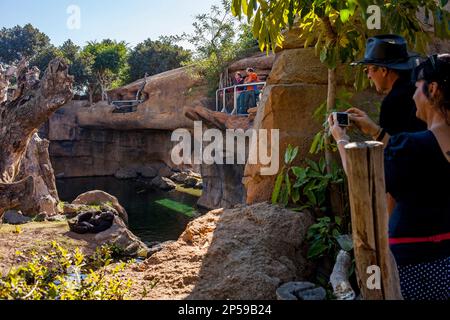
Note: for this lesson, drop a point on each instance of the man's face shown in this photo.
(378, 76)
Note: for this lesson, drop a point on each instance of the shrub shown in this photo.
(66, 275)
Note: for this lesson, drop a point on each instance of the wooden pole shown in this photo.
(369, 214)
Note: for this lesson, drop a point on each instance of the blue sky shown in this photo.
(129, 20)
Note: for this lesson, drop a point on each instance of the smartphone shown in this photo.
(342, 119)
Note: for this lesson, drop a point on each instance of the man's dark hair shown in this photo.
(437, 69)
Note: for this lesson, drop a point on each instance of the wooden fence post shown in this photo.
(365, 166)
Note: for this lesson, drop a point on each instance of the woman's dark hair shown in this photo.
(436, 69)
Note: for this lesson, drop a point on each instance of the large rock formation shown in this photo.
(243, 253)
(166, 95)
(94, 141)
(98, 197)
(222, 183)
(262, 63)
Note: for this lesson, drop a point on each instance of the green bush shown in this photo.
(66, 275)
(305, 187)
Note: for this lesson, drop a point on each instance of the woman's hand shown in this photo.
(362, 121)
(339, 133)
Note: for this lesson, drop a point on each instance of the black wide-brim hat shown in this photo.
(388, 51)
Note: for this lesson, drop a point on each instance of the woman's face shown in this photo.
(421, 100)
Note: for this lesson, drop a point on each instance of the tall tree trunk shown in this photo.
(331, 104)
(21, 118)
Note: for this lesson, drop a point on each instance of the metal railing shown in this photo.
(125, 106)
(235, 95)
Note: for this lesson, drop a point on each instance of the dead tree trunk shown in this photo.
(21, 118)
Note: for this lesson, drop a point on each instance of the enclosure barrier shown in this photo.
(235, 95)
(365, 165)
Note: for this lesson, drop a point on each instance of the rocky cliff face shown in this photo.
(165, 96)
(85, 151)
(94, 141)
(222, 184)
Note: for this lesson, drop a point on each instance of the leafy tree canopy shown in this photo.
(339, 28)
(219, 39)
(18, 42)
(153, 57)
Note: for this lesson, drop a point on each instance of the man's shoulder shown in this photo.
(402, 91)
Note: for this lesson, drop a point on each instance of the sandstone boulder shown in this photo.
(98, 197)
(242, 253)
(120, 236)
(261, 62)
(166, 95)
(72, 210)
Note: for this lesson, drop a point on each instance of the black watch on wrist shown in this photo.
(381, 136)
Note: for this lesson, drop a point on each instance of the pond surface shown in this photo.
(153, 215)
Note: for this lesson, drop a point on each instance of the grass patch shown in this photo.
(8, 228)
(177, 207)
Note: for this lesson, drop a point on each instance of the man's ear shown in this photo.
(384, 71)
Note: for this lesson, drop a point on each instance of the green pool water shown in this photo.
(153, 215)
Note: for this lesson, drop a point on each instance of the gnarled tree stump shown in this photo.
(20, 119)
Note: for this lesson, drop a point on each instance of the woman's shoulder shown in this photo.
(410, 144)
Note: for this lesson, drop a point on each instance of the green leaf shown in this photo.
(311, 197)
(288, 154)
(295, 195)
(344, 14)
(313, 165)
(316, 250)
(323, 54)
(284, 196)
(287, 180)
(293, 155)
(236, 8)
(315, 143)
(300, 173)
(277, 188)
(322, 165)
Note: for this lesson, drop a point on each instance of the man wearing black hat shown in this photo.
(389, 67)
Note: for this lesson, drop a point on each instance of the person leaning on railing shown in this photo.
(249, 96)
(238, 80)
(417, 170)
